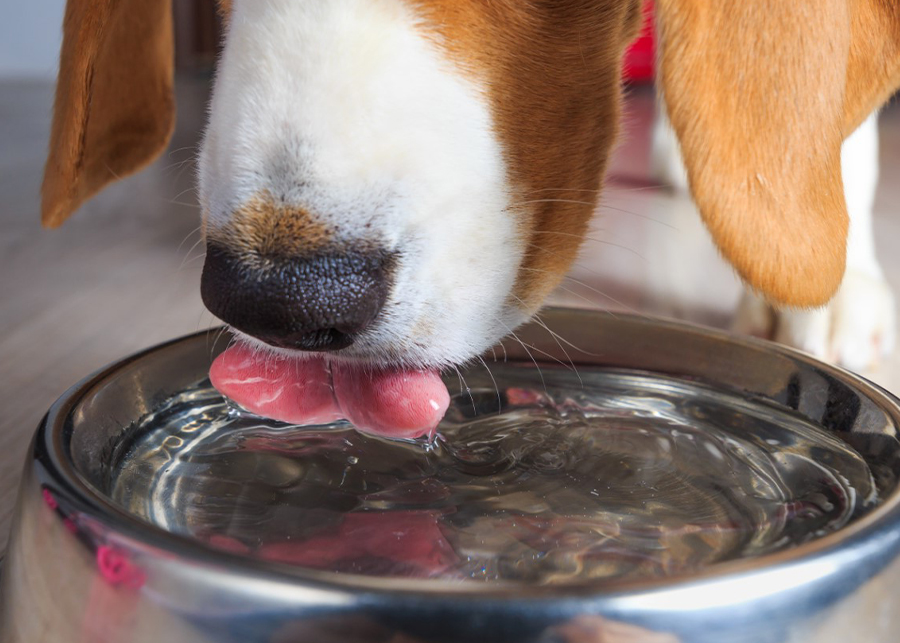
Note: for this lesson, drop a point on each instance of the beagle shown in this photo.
(399, 183)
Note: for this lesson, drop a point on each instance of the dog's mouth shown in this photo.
(305, 390)
(320, 303)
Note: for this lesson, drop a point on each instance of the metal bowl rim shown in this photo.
(49, 446)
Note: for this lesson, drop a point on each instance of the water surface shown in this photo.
(551, 477)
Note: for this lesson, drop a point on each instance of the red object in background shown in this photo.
(640, 58)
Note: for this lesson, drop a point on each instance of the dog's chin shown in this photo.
(377, 355)
(269, 351)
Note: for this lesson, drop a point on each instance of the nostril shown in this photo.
(316, 302)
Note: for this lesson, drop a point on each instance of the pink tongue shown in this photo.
(392, 403)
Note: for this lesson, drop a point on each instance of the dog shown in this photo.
(402, 182)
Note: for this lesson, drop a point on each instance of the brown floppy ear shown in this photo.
(761, 94)
(115, 107)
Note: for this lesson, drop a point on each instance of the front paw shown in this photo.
(855, 330)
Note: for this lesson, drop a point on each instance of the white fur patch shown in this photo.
(347, 109)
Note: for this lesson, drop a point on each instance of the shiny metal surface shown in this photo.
(111, 578)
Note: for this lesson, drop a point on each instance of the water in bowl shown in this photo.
(554, 477)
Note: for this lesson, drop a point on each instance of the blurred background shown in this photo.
(123, 273)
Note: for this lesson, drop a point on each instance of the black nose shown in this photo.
(317, 303)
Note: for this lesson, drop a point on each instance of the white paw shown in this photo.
(855, 330)
(666, 166)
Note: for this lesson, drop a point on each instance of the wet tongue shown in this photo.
(391, 402)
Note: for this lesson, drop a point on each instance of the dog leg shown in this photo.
(857, 328)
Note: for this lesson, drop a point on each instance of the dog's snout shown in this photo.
(318, 302)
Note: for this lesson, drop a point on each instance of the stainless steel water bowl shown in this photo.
(81, 568)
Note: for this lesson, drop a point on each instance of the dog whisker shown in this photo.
(185, 204)
(556, 338)
(187, 256)
(591, 190)
(192, 148)
(463, 386)
(591, 288)
(603, 294)
(586, 238)
(559, 337)
(175, 198)
(602, 206)
(189, 262)
(218, 336)
(177, 165)
(191, 158)
(587, 300)
(187, 236)
(532, 201)
(496, 388)
(614, 186)
(608, 187)
(550, 356)
(528, 352)
(540, 322)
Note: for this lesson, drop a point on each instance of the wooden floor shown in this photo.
(122, 274)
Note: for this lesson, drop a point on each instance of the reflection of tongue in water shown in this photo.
(395, 543)
(390, 402)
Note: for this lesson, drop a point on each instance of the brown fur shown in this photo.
(761, 93)
(115, 108)
(224, 8)
(873, 70)
(553, 70)
(265, 229)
